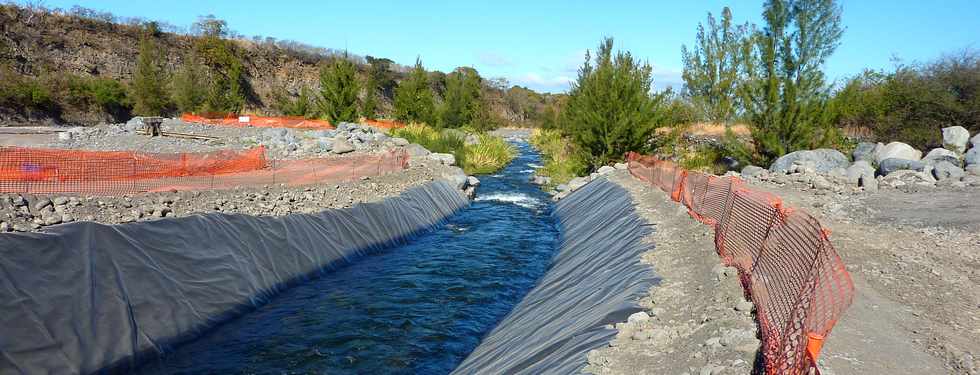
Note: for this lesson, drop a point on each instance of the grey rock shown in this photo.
(341, 146)
(42, 204)
(4, 227)
(445, 159)
(865, 151)
(822, 160)
(52, 220)
(975, 141)
(955, 138)
(897, 150)
(941, 154)
(972, 156)
(60, 201)
(946, 170)
(710, 369)
(744, 306)
(891, 165)
(578, 182)
(540, 180)
(21, 228)
(401, 142)
(869, 183)
(18, 201)
(857, 170)
(621, 166)
(753, 171)
(472, 181)
(563, 188)
(415, 150)
(638, 317)
(65, 136)
(973, 169)
(821, 183)
(605, 169)
(560, 196)
(456, 177)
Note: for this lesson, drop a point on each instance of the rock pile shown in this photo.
(348, 137)
(894, 165)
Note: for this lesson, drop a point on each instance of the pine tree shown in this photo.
(713, 69)
(413, 97)
(610, 109)
(338, 91)
(148, 90)
(786, 97)
(188, 91)
(369, 106)
(222, 67)
(462, 103)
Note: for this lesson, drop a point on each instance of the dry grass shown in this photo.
(710, 130)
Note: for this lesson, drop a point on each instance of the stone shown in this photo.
(891, 165)
(4, 227)
(857, 170)
(744, 306)
(972, 156)
(60, 201)
(472, 181)
(638, 317)
(955, 138)
(621, 166)
(975, 141)
(941, 154)
(400, 142)
(605, 169)
(897, 150)
(21, 228)
(42, 204)
(18, 201)
(821, 160)
(341, 146)
(540, 180)
(415, 150)
(821, 183)
(642, 335)
(946, 170)
(456, 177)
(869, 183)
(560, 196)
(753, 171)
(563, 188)
(973, 169)
(578, 182)
(52, 220)
(64, 136)
(444, 159)
(865, 151)
(711, 369)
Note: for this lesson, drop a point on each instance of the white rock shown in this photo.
(975, 141)
(897, 150)
(638, 317)
(955, 138)
(605, 169)
(445, 159)
(621, 166)
(472, 181)
(941, 154)
(577, 183)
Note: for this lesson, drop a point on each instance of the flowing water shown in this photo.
(418, 308)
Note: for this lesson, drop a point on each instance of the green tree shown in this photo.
(413, 97)
(302, 105)
(610, 109)
(223, 66)
(338, 91)
(713, 69)
(188, 93)
(369, 106)
(786, 95)
(462, 103)
(148, 85)
(384, 78)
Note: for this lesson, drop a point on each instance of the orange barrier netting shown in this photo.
(385, 124)
(125, 172)
(786, 263)
(259, 121)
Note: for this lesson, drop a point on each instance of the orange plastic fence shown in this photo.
(124, 172)
(257, 121)
(385, 124)
(786, 262)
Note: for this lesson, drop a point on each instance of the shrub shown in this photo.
(147, 86)
(562, 160)
(490, 155)
(338, 91)
(28, 93)
(413, 97)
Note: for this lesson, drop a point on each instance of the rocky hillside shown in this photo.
(40, 44)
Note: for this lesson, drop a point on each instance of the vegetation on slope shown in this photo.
(489, 155)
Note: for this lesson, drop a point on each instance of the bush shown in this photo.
(492, 154)
(17, 91)
(338, 91)
(562, 160)
(413, 97)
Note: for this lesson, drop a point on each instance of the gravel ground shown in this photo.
(914, 256)
(23, 212)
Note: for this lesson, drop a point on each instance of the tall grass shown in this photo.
(490, 155)
(562, 161)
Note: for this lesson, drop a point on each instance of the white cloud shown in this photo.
(494, 59)
(538, 82)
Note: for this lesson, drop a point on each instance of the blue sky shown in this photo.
(540, 44)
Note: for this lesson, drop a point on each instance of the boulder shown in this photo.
(955, 138)
(975, 141)
(472, 181)
(455, 176)
(973, 169)
(753, 171)
(822, 160)
(341, 146)
(897, 150)
(890, 165)
(561, 188)
(621, 166)
(578, 182)
(859, 169)
(416, 151)
(540, 180)
(946, 170)
(865, 151)
(401, 142)
(972, 156)
(869, 183)
(445, 159)
(605, 169)
(937, 155)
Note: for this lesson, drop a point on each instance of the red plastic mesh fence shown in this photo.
(786, 263)
(24, 170)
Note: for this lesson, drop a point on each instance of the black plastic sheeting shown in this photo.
(86, 297)
(595, 280)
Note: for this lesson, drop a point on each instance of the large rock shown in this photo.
(955, 138)
(753, 171)
(975, 141)
(455, 176)
(416, 151)
(972, 156)
(860, 168)
(973, 169)
(937, 155)
(605, 169)
(888, 166)
(341, 146)
(822, 160)
(402, 142)
(865, 151)
(946, 170)
(578, 182)
(445, 159)
(897, 150)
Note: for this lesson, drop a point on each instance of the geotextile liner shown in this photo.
(87, 297)
(594, 281)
